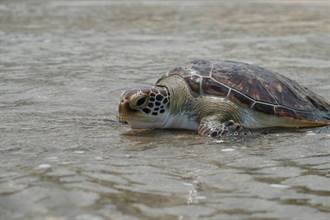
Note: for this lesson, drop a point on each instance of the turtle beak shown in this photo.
(123, 112)
(122, 121)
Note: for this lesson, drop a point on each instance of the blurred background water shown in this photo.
(63, 156)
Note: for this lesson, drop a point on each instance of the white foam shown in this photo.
(44, 166)
(228, 150)
(219, 141)
(310, 133)
(279, 186)
(79, 152)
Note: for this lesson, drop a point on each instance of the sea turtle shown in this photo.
(217, 98)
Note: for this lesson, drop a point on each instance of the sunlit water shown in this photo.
(63, 66)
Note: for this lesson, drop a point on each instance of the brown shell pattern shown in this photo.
(254, 87)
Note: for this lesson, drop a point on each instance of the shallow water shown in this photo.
(63, 66)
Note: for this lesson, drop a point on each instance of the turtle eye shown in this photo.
(141, 101)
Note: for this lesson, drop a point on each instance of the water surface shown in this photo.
(63, 66)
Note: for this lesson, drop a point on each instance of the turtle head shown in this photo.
(145, 108)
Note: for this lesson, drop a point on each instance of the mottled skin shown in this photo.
(221, 98)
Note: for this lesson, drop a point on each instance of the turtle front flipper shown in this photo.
(213, 126)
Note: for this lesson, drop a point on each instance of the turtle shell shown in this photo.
(253, 87)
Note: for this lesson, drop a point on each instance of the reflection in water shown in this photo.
(64, 155)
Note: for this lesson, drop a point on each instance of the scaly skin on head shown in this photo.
(144, 108)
